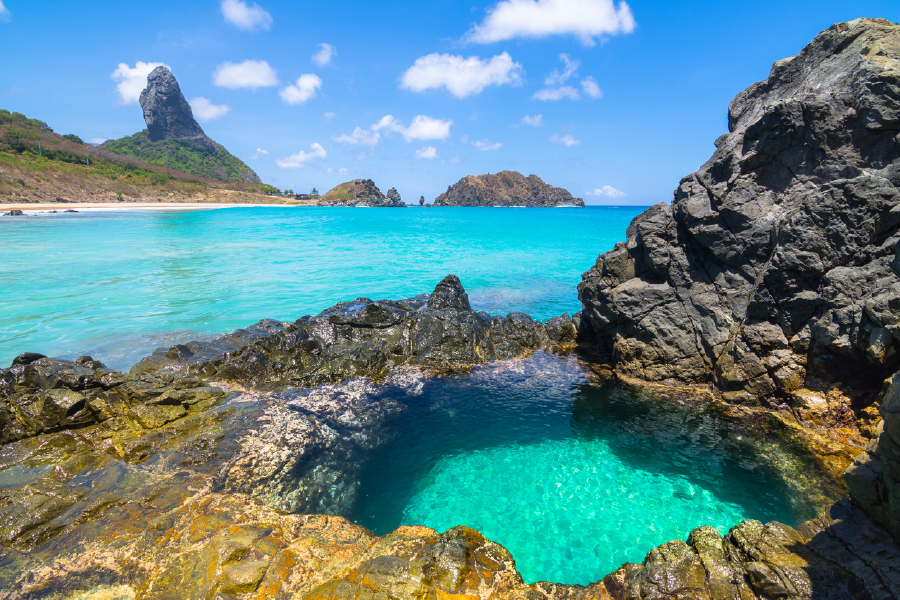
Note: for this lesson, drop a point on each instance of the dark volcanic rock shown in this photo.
(507, 188)
(360, 192)
(166, 112)
(363, 337)
(14, 213)
(774, 262)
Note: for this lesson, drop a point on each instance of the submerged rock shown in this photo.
(366, 337)
(774, 267)
(506, 188)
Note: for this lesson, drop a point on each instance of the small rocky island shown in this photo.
(506, 188)
(361, 192)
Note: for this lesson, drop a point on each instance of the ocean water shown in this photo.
(574, 478)
(117, 285)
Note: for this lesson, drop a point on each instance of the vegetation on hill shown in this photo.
(38, 165)
(202, 157)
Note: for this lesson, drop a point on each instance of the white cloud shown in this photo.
(258, 154)
(299, 160)
(557, 78)
(359, 137)
(485, 145)
(553, 94)
(362, 155)
(341, 171)
(133, 80)
(329, 115)
(205, 110)
(585, 19)
(590, 87)
(607, 190)
(422, 127)
(453, 160)
(301, 91)
(426, 128)
(323, 56)
(427, 152)
(4, 12)
(535, 121)
(245, 17)
(96, 141)
(249, 74)
(566, 140)
(461, 76)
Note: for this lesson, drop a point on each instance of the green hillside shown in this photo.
(205, 158)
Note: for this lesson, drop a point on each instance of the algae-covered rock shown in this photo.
(365, 337)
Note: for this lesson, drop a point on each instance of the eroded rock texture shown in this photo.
(166, 112)
(775, 262)
(363, 337)
(506, 188)
(874, 478)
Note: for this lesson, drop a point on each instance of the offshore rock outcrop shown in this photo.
(774, 268)
(361, 192)
(366, 337)
(166, 112)
(506, 188)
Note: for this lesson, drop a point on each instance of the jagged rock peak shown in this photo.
(771, 270)
(506, 188)
(449, 293)
(166, 112)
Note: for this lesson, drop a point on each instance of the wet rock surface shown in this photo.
(507, 188)
(366, 337)
(774, 268)
(361, 192)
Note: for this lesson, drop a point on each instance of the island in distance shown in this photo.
(506, 188)
(360, 192)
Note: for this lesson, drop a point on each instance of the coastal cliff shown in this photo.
(506, 188)
(774, 269)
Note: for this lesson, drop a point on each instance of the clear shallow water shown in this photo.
(117, 285)
(573, 478)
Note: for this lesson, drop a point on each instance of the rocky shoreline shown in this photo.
(766, 292)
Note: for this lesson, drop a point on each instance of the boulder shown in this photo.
(776, 261)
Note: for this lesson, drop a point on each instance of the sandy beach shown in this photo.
(110, 206)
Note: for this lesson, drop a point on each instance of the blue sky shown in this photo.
(614, 101)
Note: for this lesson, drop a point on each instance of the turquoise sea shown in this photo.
(572, 476)
(117, 285)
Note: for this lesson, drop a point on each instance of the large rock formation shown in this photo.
(506, 188)
(360, 192)
(774, 266)
(363, 337)
(174, 139)
(166, 112)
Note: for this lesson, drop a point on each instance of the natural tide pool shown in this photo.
(574, 477)
(118, 284)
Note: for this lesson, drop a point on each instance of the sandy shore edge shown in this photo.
(116, 206)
